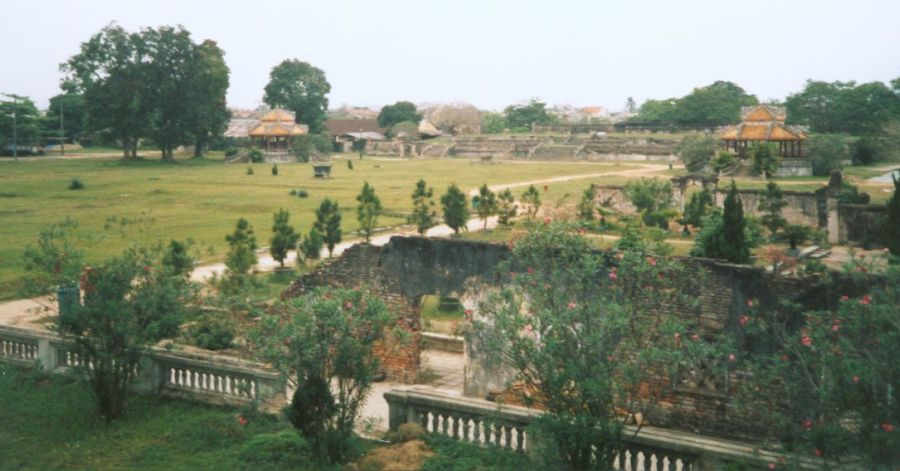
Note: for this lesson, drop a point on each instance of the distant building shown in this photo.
(764, 123)
(276, 131)
(348, 134)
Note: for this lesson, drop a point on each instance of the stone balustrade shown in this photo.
(491, 424)
(205, 377)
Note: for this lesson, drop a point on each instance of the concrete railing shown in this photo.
(201, 376)
(488, 423)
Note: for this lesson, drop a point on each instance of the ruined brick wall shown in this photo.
(861, 222)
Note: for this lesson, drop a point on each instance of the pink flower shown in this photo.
(546, 221)
(865, 299)
(835, 328)
(731, 357)
(744, 320)
(530, 270)
(887, 427)
(651, 261)
(613, 275)
(528, 328)
(469, 312)
(855, 379)
(677, 337)
(348, 305)
(695, 337)
(571, 305)
(806, 424)
(772, 466)
(581, 231)
(512, 274)
(806, 341)
(749, 303)
(784, 358)
(818, 452)
(242, 420)
(845, 298)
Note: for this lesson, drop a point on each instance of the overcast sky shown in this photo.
(489, 53)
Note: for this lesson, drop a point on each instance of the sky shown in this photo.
(488, 53)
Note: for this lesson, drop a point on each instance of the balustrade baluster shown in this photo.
(476, 432)
(465, 429)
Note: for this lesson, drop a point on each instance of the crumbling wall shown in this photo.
(861, 223)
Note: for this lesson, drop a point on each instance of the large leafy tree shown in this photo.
(844, 107)
(455, 206)
(891, 232)
(328, 224)
(301, 88)
(697, 152)
(67, 112)
(765, 158)
(713, 105)
(368, 210)
(423, 214)
(827, 153)
(399, 112)
(113, 73)
(208, 113)
(27, 122)
(658, 110)
(522, 116)
(591, 337)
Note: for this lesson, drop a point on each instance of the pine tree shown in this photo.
(455, 208)
(423, 215)
(311, 247)
(328, 224)
(532, 199)
(242, 252)
(485, 204)
(368, 210)
(891, 231)
(284, 237)
(771, 204)
(506, 207)
(700, 204)
(734, 239)
(586, 205)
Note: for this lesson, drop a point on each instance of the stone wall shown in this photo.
(802, 207)
(400, 273)
(860, 222)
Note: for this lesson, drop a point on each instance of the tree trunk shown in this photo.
(126, 146)
(134, 146)
(199, 146)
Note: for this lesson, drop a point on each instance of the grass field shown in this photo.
(203, 199)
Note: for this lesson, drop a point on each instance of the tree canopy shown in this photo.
(397, 113)
(716, 104)
(302, 88)
(521, 117)
(845, 107)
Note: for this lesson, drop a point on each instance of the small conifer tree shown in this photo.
(328, 224)
(485, 204)
(423, 215)
(506, 207)
(455, 208)
(284, 237)
(368, 210)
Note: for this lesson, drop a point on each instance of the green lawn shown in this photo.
(49, 423)
(203, 199)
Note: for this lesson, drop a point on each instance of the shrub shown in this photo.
(76, 184)
(293, 192)
(301, 193)
(349, 164)
(242, 250)
(249, 170)
(765, 159)
(827, 153)
(212, 333)
(697, 152)
(231, 151)
(285, 449)
(652, 197)
(723, 161)
(275, 170)
(256, 156)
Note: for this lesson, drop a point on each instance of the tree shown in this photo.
(652, 198)
(725, 236)
(312, 244)
(177, 259)
(658, 110)
(506, 207)
(890, 235)
(302, 88)
(816, 105)
(591, 338)
(55, 261)
(765, 158)
(398, 113)
(284, 237)
(423, 214)
(368, 210)
(67, 110)
(844, 107)
(325, 338)
(22, 115)
(112, 71)
(456, 118)
(630, 106)
(532, 201)
(723, 161)
(523, 116)
(698, 207)
(309, 145)
(716, 104)
(771, 203)
(328, 224)
(242, 250)
(827, 153)
(697, 152)
(796, 234)
(493, 123)
(130, 302)
(455, 206)
(586, 206)
(485, 203)
(208, 111)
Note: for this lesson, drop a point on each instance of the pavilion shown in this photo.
(276, 131)
(764, 123)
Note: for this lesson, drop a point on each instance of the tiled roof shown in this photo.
(339, 127)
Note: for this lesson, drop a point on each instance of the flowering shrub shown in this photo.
(835, 373)
(592, 334)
